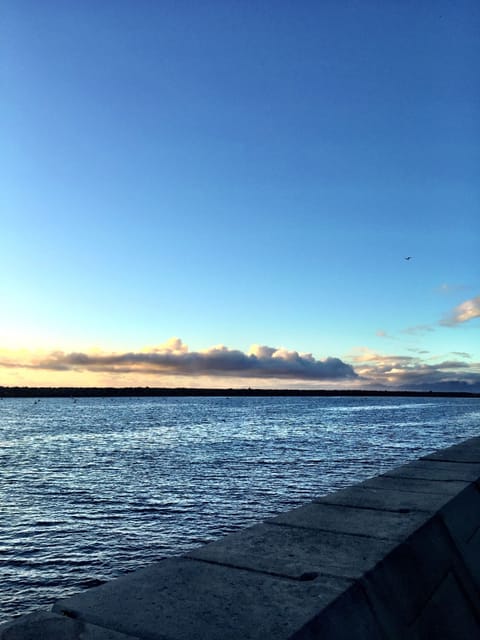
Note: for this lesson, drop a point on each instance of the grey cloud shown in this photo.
(400, 373)
(220, 361)
(439, 380)
(470, 385)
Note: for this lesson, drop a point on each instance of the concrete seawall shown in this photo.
(394, 557)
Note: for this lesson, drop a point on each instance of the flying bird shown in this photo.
(408, 257)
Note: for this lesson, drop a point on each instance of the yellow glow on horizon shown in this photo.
(42, 378)
(170, 365)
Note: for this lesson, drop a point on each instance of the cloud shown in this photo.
(173, 358)
(364, 355)
(377, 370)
(173, 364)
(173, 345)
(464, 312)
(419, 329)
(261, 351)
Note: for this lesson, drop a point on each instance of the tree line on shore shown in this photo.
(135, 392)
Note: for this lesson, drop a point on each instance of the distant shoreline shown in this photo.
(137, 392)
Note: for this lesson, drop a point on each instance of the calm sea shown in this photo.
(93, 488)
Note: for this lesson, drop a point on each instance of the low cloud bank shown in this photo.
(173, 363)
(379, 370)
(174, 358)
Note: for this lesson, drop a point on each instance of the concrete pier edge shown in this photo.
(396, 556)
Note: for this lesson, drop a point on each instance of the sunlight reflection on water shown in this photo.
(100, 486)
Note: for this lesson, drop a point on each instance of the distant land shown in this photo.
(135, 392)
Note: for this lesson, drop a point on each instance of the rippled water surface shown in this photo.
(94, 487)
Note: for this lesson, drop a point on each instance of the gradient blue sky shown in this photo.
(240, 173)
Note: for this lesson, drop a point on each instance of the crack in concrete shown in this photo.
(368, 508)
(307, 576)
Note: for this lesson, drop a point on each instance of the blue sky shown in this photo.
(233, 174)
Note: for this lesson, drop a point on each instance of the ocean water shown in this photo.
(92, 488)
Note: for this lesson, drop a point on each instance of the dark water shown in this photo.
(92, 488)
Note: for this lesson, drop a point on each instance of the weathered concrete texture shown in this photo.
(383, 499)
(180, 599)
(414, 485)
(43, 625)
(352, 520)
(462, 520)
(464, 452)
(395, 557)
(462, 515)
(401, 587)
(349, 617)
(437, 470)
(295, 552)
(448, 615)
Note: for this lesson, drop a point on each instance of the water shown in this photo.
(94, 487)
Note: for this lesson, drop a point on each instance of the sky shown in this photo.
(224, 194)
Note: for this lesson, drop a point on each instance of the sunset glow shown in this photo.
(234, 195)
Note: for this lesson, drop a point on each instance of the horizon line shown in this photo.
(59, 392)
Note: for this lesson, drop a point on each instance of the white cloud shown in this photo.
(173, 345)
(261, 351)
(464, 312)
